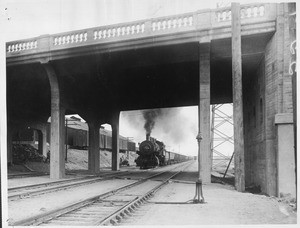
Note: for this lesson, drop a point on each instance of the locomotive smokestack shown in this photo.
(148, 136)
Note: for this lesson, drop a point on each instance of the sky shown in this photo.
(29, 18)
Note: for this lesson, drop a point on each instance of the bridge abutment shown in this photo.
(270, 91)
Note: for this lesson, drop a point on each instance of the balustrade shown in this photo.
(170, 24)
(21, 46)
(251, 11)
(119, 31)
(70, 38)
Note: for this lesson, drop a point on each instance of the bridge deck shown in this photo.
(199, 26)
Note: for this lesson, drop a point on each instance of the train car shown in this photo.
(172, 158)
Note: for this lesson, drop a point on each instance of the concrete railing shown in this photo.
(172, 23)
(22, 45)
(141, 29)
(247, 11)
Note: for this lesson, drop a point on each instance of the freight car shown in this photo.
(152, 153)
(172, 158)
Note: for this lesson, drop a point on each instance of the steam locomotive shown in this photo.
(152, 153)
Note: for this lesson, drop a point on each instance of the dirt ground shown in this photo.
(223, 206)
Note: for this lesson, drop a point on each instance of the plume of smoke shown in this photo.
(172, 126)
(150, 117)
(168, 121)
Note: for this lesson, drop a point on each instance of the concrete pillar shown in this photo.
(40, 141)
(44, 136)
(239, 168)
(57, 137)
(115, 143)
(204, 113)
(94, 147)
(286, 156)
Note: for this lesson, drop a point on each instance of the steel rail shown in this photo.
(62, 181)
(52, 189)
(45, 184)
(58, 185)
(62, 184)
(116, 216)
(39, 219)
(24, 175)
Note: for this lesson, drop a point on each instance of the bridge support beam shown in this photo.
(239, 167)
(57, 137)
(115, 164)
(204, 113)
(94, 147)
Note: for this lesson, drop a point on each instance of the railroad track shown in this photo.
(24, 175)
(43, 188)
(108, 208)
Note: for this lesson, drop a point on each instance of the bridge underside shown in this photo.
(146, 78)
(98, 85)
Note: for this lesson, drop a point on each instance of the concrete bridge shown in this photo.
(165, 62)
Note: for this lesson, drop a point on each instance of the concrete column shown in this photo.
(204, 113)
(237, 98)
(40, 141)
(286, 156)
(44, 135)
(115, 143)
(94, 147)
(57, 137)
